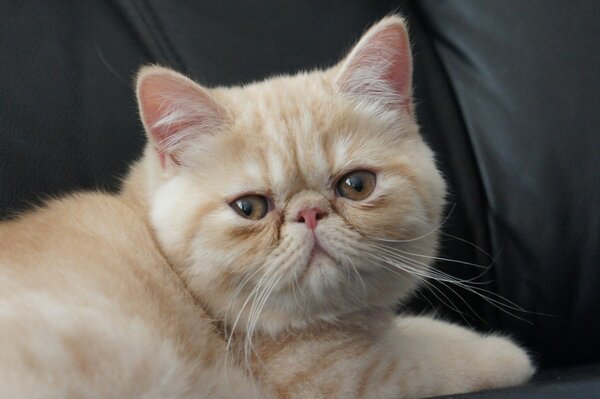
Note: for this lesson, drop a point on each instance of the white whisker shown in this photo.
(468, 242)
(503, 304)
(437, 228)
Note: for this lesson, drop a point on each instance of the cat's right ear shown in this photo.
(175, 110)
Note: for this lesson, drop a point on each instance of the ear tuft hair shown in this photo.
(378, 70)
(175, 110)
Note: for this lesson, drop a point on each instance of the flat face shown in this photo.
(293, 144)
(299, 198)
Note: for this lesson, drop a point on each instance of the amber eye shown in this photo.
(356, 185)
(252, 207)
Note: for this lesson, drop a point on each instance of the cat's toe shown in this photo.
(501, 363)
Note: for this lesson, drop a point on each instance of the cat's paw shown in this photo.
(500, 363)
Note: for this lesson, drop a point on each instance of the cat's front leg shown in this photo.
(409, 357)
(421, 356)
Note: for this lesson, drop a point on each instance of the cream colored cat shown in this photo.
(257, 249)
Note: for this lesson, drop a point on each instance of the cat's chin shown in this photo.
(326, 294)
(317, 256)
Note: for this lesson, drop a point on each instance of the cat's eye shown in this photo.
(356, 185)
(253, 207)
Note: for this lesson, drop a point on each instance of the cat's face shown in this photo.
(279, 203)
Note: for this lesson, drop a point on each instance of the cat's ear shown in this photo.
(175, 110)
(378, 70)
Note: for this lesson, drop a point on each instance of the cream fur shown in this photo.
(89, 308)
(165, 291)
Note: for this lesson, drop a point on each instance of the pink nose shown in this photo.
(311, 217)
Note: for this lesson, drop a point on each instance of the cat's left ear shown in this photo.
(175, 111)
(378, 70)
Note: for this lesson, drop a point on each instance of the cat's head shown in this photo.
(299, 198)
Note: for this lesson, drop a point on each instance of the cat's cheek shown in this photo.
(172, 208)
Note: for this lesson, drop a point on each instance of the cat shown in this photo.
(257, 249)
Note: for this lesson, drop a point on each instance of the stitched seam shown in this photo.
(154, 36)
(166, 41)
(133, 29)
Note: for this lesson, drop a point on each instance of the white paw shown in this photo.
(501, 363)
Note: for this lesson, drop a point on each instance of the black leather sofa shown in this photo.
(507, 92)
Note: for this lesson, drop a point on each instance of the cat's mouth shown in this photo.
(315, 252)
(316, 255)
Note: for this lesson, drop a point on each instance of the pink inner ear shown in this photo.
(175, 110)
(160, 96)
(379, 68)
(399, 74)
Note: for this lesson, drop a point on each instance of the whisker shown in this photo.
(229, 335)
(239, 288)
(445, 259)
(358, 277)
(449, 287)
(503, 304)
(431, 287)
(424, 235)
(425, 269)
(435, 272)
(251, 296)
(255, 315)
(483, 251)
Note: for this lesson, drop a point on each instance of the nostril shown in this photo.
(320, 214)
(310, 217)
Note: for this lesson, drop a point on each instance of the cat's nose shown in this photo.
(311, 217)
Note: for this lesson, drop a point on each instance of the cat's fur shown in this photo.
(165, 291)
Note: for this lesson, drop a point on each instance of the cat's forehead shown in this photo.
(298, 106)
(290, 134)
(286, 129)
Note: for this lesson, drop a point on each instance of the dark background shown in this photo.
(507, 93)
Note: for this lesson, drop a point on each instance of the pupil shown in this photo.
(355, 182)
(245, 206)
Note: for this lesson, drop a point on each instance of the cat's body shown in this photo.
(270, 228)
(88, 315)
(90, 308)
